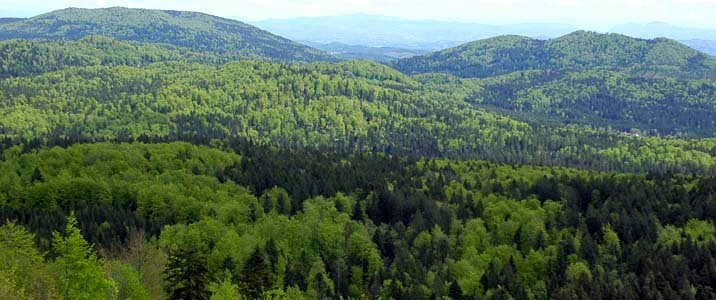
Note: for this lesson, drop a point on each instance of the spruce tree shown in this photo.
(186, 275)
(256, 275)
(455, 291)
(37, 176)
(357, 212)
(273, 253)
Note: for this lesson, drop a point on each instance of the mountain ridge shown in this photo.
(197, 31)
(577, 50)
(379, 54)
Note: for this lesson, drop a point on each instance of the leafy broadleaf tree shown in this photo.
(23, 274)
(225, 290)
(129, 282)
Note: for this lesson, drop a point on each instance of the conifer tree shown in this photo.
(80, 273)
(256, 275)
(455, 291)
(186, 275)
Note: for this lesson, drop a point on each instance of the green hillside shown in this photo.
(26, 57)
(192, 30)
(658, 87)
(344, 107)
(576, 51)
(9, 20)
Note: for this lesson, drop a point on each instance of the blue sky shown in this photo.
(593, 14)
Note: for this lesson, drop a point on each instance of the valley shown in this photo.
(161, 154)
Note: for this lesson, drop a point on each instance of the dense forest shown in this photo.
(96, 95)
(192, 30)
(581, 50)
(133, 168)
(603, 80)
(288, 225)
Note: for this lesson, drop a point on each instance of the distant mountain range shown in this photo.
(191, 30)
(698, 38)
(427, 35)
(705, 46)
(660, 29)
(380, 54)
(380, 31)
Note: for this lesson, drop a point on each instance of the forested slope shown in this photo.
(346, 107)
(655, 87)
(24, 57)
(580, 50)
(192, 30)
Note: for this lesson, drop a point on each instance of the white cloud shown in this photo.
(581, 12)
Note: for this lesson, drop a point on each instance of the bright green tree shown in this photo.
(23, 273)
(225, 290)
(129, 282)
(80, 274)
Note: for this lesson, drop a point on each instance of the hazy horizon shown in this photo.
(590, 15)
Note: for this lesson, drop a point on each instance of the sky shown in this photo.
(589, 14)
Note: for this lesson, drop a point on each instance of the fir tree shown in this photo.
(256, 275)
(455, 291)
(186, 275)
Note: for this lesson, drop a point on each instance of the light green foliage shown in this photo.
(128, 281)
(698, 231)
(80, 274)
(670, 235)
(320, 230)
(159, 176)
(701, 231)
(304, 212)
(579, 272)
(276, 200)
(493, 230)
(147, 259)
(23, 273)
(225, 290)
(610, 242)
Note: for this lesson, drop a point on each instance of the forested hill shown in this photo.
(576, 51)
(192, 30)
(347, 107)
(602, 80)
(24, 58)
(10, 20)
